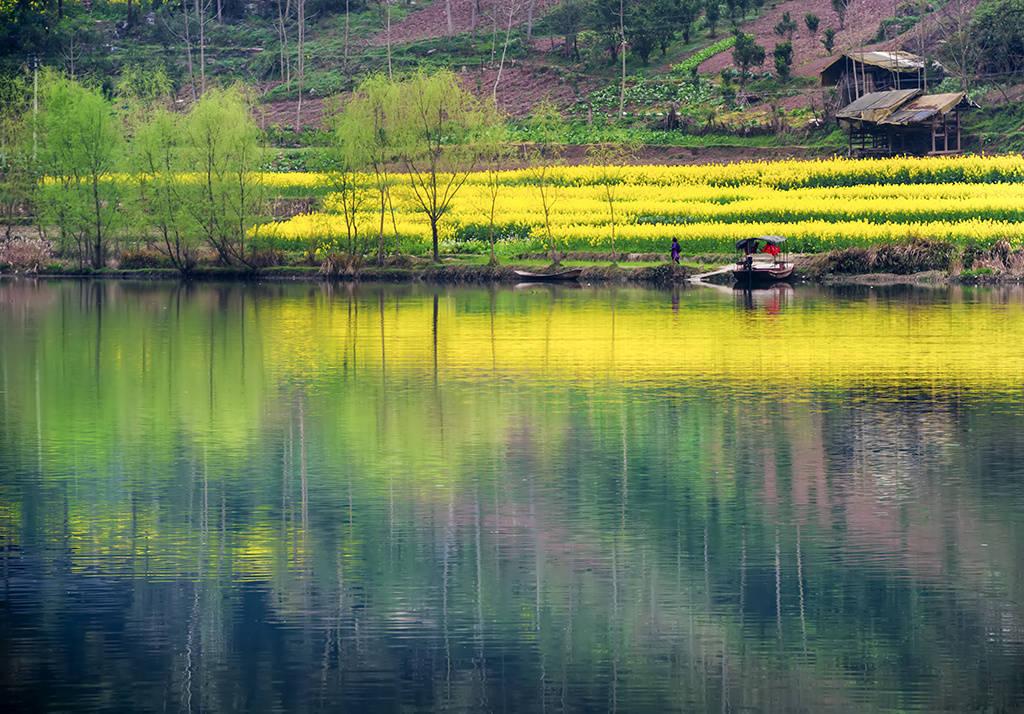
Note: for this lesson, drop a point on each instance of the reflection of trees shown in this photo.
(592, 538)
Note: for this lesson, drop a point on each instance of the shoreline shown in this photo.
(665, 275)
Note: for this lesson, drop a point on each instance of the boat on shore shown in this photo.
(527, 276)
(762, 261)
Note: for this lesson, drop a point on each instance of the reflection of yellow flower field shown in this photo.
(819, 205)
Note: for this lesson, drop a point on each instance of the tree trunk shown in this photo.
(282, 37)
(448, 16)
(380, 233)
(188, 52)
(529, 22)
(433, 231)
(201, 19)
(622, 56)
(344, 61)
(97, 255)
(388, 4)
(300, 9)
(504, 49)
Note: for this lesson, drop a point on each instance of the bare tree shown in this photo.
(300, 11)
(188, 52)
(529, 20)
(387, 28)
(284, 11)
(201, 8)
(72, 53)
(959, 50)
(348, 26)
(510, 7)
(622, 55)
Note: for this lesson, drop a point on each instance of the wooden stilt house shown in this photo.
(904, 121)
(856, 73)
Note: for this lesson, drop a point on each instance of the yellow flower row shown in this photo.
(781, 174)
(818, 204)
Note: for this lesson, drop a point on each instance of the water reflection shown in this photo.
(302, 497)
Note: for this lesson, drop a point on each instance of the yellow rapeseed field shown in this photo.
(818, 205)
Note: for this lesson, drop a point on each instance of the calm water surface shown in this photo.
(301, 498)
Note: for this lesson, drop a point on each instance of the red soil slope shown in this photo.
(432, 21)
(809, 57)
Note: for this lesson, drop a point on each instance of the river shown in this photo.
(407, 498)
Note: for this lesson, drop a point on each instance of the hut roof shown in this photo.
(902, 62)
(876, 106)
(925, 107)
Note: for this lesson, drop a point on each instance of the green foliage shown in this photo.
(828, 40)
(462, 234)
(221, 145)
(841, 6)
(365, 137)
(80, 143)
(891, 27)
(694, 60)
(437, 129)
(162, 192)
(746, 53)
(998, 29)
(646, 24)
(976, 273)
(18, 169)
(783, 58)
(141, 89)
(785, 27)
(712, 15)
(645, 91)
(811, 21)
(287, 137)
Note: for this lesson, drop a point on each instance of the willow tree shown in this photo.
(365, 127)
(80, 145)
(162, 185)
(17, 167)
(221, 145)
(610, 161)
(545, 125)
(341, 165)
(496, 151)
(437, 130)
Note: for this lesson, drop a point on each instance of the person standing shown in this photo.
(675, 250)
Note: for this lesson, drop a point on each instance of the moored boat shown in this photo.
(528, 276)
(762, 260)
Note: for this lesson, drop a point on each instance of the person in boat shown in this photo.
(675, 250)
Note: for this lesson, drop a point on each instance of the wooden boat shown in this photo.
(528, 276)
(770, 268)
(761, 271)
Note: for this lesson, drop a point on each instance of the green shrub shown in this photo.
(848, 261)
(143, 260)
(468, 233)
(913, 257)
(977, 273)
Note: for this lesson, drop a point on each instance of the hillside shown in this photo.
(521, 52)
